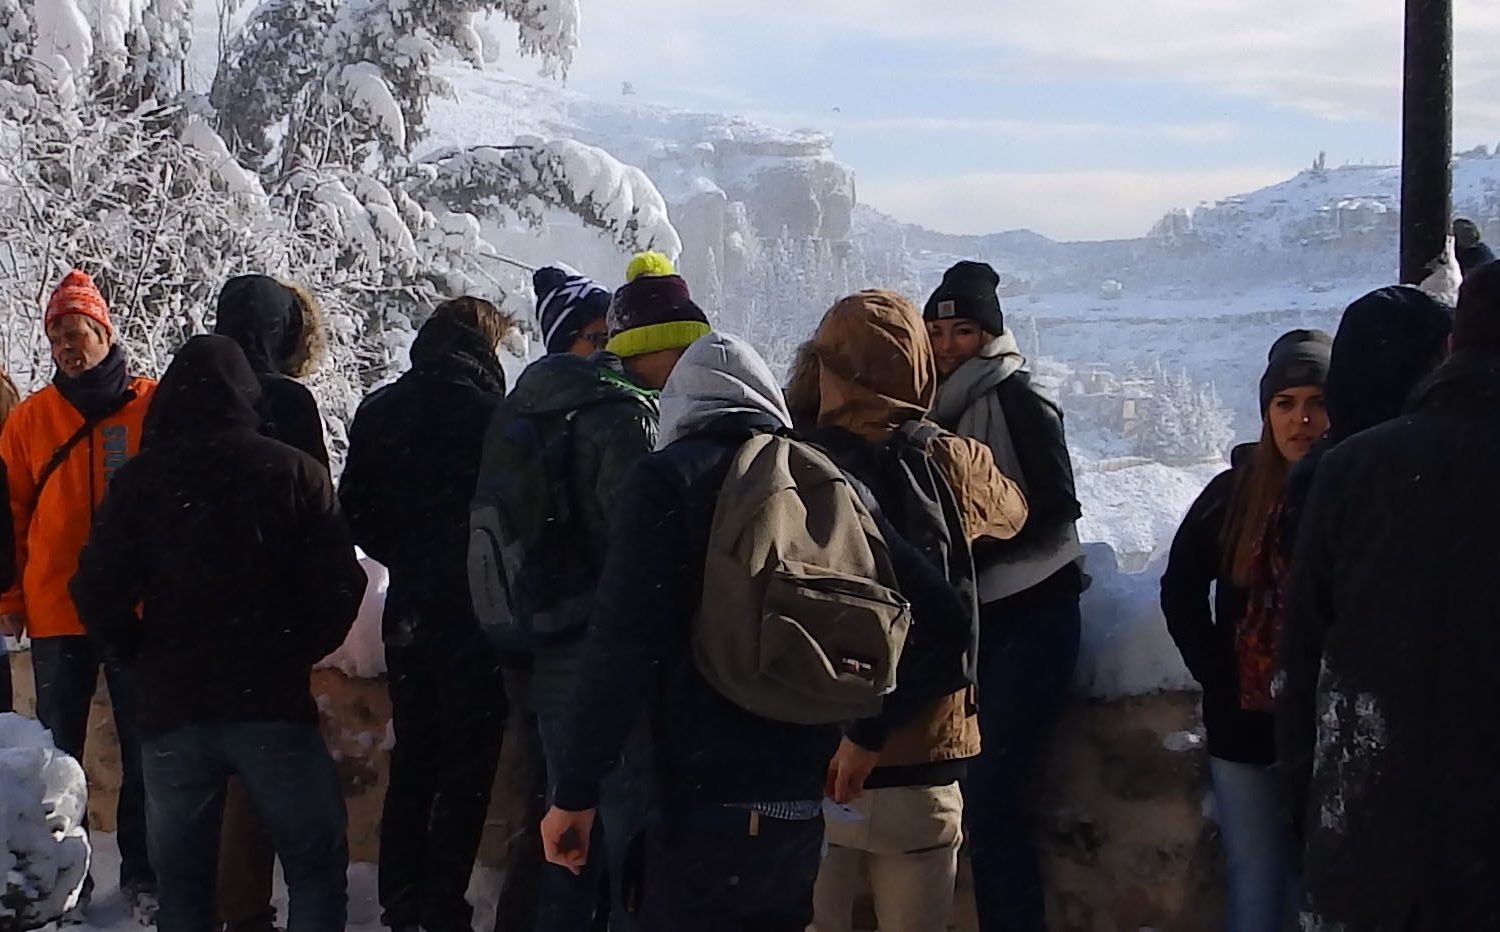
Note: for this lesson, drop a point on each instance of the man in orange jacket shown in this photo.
(61, 446)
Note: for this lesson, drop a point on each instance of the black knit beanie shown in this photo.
(968, 291)
(1298, 357)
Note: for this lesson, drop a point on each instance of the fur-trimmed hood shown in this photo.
(279, 325)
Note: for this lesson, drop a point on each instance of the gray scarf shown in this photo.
(968, 405)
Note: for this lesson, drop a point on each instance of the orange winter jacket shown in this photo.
(51, 532)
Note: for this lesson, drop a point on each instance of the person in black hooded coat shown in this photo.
(280, 330)
(1387, 342)
(413, 462)
(1388, 712)
(233, 547)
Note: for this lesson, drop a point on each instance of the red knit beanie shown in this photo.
(78, 295)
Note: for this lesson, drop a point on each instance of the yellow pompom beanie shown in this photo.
(653, 310)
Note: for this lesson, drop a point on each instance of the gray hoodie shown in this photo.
(719, 374)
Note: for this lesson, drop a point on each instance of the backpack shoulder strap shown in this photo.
(919, 433)
(60, 455)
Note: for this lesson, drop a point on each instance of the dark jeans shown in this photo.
(448, 708)
(291, 778)
(7, 692)
(1026, 661)
(67, 674)
(714, 874)
(520, 896)
(247, 866)
(570, 902)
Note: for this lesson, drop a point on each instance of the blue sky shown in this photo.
(1077, 118)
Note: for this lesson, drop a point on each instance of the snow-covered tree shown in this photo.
(299, 162)
(1185, 423)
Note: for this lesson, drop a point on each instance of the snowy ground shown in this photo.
(109, 913)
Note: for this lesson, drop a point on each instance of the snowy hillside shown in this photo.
(1317, 231)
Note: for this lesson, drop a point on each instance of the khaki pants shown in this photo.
(907, 844)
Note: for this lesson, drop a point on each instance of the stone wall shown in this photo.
(1122, 831)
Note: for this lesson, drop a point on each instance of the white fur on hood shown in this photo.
(719, 374)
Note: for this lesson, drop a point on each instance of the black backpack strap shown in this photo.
(60, 455)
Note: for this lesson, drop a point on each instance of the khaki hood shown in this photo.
(876, 371)
(876, 368)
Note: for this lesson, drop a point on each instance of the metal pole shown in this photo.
(1426, 136)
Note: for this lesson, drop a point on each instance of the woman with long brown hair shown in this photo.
(1229, 542)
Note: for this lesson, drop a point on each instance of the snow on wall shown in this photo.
(44, 853)
(1126, 650)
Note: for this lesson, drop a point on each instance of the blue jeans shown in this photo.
(67, 673)
(1258, 848)
(295, 787)
(568, 902)
(1026, 661)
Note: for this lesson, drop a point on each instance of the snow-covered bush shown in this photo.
(44, 853)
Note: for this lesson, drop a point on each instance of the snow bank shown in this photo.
(362, 655)
(44, 853)
(1126, 650)
(1136, 509)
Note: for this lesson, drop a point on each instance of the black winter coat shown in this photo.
(232, 545)
(1388, 342)
(638, 656)
(1388, 720)
(414, 452)
(1206, 638)
(289, 413)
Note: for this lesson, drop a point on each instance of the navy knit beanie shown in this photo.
(565, 304)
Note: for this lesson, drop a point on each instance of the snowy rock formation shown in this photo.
(726, 181)
(44, 853)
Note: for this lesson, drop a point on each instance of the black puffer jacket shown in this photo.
(234, 548)
(414, 452)
(1205, 631)
(280, 331)
(1388, 720)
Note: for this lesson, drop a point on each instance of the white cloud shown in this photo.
(1333, 58)
(1062, 205)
